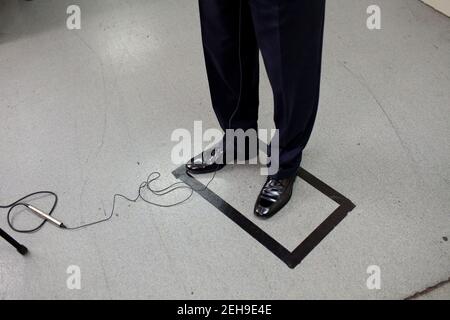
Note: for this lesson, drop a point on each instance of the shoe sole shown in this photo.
(206, 171)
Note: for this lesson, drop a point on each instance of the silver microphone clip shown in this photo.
(45, 216)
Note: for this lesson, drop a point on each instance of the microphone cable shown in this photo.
(144, 186)
(21, 203)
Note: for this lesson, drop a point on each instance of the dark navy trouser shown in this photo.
(289, 34)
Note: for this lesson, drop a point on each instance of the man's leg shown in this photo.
(232, 61)
(232, 64)
(290, 35)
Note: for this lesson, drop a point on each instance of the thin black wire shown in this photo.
(145, 185)
(21, 203)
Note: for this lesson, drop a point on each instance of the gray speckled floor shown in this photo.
(89, 113)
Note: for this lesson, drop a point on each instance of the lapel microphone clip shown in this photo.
(45, 216)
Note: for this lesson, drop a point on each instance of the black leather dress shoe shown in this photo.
(207, 162)
(214, 159)
(275, 194)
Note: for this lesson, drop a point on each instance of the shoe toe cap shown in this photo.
(261, 211)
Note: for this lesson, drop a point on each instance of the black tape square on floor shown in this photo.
(294, 258)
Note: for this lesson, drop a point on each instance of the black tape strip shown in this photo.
(242, 221)
(322, 187)
(294, 258)
(319, 234)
